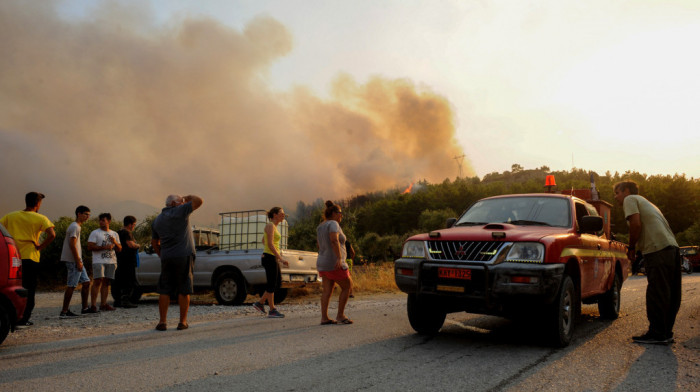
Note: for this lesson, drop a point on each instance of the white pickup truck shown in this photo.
(229, 260)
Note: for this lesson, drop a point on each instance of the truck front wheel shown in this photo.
(230, 289)
(609, 303)
(562, 314)
(426, 317)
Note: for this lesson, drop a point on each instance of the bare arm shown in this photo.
(132, 244)
(156, 245)
(335, 245)
(50, 235)
(115, 242)
(635, 231)
(196, 201)
(74, 244)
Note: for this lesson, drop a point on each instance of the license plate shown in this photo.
(297, 278)
(455, 273)
(453, 289)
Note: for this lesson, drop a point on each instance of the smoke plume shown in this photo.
(115, 107)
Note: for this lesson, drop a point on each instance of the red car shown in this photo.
(13, 297)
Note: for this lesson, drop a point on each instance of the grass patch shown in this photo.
(367, 279)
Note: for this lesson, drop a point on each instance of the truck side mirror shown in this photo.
(450, 222)
(591, 224)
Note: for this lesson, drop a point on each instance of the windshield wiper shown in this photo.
(528, 222)
(470, 223)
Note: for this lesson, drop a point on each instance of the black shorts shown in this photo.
(272, 272)
(176, 276)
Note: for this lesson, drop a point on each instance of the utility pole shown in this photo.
(460, 160)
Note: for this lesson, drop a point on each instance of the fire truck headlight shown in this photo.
(526, 252)
(413, 249)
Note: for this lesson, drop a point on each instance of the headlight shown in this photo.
(413, 249)
(526, 252)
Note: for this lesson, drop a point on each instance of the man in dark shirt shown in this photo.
(173, 241)
(125, 279)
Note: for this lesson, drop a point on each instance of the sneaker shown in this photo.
(260, 307)
(91, 309)
(274, 313)
(23, 323)
(106, 307)
(650, 338)
(68, 314)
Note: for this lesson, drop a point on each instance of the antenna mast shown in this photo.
(460, 160)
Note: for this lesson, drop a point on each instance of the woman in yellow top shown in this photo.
(271, 258)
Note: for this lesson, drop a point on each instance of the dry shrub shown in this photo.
(374, 278)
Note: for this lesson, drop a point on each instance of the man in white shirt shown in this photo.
(103, 242)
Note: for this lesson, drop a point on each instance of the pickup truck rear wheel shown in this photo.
(609, 303)
(426, 317)
(562, 314)
(230, 289)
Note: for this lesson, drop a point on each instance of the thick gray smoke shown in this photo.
(118, 108)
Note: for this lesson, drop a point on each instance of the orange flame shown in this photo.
(408, 190)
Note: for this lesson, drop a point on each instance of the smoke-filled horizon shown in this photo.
(117, 108)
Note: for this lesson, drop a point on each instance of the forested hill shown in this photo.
(378, 223)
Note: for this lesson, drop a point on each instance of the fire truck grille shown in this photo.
(464, 250)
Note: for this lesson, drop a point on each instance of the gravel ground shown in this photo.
(49, 327)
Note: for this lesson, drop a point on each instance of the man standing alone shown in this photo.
(26, 227)
(173, 241)
(125, 279)
(103, 242)
(72, 255)
(650, 232)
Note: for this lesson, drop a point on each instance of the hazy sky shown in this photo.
(255, 103)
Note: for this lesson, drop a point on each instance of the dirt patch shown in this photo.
(49, 327)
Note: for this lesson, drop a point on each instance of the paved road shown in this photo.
(379, 352)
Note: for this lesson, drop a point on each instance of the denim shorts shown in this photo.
(104, 271)
(75, 276)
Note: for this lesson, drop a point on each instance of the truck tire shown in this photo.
(562, 314)
(4, 323)
(229, 288)
(426, 317)
(609, 303)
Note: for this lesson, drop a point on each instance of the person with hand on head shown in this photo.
(331, 263)
(271, 259)
(172, 240)
(26, 227)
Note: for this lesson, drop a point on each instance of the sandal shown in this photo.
(329, 322)
(162, 327)
(182, 326)
(346, 321)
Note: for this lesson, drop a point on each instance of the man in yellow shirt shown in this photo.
(26, 227)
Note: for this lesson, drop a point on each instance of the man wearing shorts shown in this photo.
(72, 255)
(103, 242)
(171, 238)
